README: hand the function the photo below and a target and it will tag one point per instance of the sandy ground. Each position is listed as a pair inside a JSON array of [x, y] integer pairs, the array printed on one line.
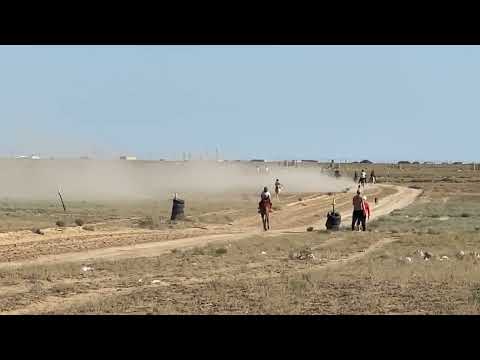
[[74, 245], [56, 246]]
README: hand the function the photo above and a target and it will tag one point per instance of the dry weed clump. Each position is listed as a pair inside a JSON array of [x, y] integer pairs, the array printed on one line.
[[38, 231]]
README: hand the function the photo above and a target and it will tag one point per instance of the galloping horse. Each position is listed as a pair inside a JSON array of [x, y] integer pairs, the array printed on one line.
[[265, 207]]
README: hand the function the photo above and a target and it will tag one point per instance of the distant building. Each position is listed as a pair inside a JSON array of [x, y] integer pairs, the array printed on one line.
[[310, 161], [125, 157], [258, 160], [403, 162], [35, 157], [366, 162]]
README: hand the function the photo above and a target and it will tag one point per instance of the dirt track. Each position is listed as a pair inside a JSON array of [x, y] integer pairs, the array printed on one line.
[[290, 219], [56, 247]]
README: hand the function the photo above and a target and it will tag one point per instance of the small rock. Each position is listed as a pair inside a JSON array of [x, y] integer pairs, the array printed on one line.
[[444, 257], [156, 281], [264, 253], [86, 268], [310, 228]]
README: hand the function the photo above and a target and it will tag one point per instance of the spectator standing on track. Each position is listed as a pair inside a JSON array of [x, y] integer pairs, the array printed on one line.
[[358, 211]]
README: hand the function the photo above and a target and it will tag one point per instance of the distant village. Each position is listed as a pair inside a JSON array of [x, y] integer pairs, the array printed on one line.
[[263, 161]]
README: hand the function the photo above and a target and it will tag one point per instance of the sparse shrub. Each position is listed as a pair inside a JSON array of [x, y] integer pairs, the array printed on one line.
[[297, 285], [38, 231], [147, 222], [220, 251], [174, 251], [310, 228], [431, 231], [300, 199], [79, 222], [197, 251], [465, 215], [60, 223], [435, 216], [88, 228], [394, 231]]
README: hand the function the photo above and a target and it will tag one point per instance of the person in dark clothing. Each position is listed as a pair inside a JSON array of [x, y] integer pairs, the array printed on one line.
[[358, 211]]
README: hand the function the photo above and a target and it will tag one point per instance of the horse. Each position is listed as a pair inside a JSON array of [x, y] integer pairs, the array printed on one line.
[[264, 208], [278, 189], [362, 182]]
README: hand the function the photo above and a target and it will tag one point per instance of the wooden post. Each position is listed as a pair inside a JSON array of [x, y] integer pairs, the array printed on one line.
[[61, 199], [333, 204]]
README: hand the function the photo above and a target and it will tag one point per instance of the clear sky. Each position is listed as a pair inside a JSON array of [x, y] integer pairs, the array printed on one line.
[[274, 102]]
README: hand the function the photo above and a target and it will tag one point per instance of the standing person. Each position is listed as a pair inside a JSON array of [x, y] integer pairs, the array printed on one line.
[[373, 178], [366, 212], [358, 211], [363, 178], [355, 176], [278, 188]]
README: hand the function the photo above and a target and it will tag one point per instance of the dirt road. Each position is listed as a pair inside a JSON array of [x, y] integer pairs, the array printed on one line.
[[293, 217]]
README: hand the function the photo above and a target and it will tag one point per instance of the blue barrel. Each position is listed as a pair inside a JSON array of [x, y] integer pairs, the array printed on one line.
[[334, 220], [178, 209]]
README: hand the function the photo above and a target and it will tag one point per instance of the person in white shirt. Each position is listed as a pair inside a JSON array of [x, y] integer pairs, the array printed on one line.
[[278, 188], [265, 194], [363, 178]]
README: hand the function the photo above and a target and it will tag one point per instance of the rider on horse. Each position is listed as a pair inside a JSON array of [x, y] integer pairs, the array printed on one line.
[[278, 188], [265, 207], [266, 199]]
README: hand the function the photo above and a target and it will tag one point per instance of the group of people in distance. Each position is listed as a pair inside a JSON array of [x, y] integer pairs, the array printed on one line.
[[361, 208], [362, 180]]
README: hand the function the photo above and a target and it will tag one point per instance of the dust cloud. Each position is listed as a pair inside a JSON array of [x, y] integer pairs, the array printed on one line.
[[120, 180]]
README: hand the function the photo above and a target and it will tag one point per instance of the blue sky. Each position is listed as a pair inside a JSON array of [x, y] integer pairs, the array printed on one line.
[[274, 102]]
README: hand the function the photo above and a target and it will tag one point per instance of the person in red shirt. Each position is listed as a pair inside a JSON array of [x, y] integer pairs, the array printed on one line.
[[366, 209], [365, 214]]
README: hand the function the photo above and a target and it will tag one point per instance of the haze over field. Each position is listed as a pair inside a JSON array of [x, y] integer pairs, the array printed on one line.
[[88, 179]]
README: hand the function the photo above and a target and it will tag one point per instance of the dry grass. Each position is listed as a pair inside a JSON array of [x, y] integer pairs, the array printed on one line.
[[259, 275]]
